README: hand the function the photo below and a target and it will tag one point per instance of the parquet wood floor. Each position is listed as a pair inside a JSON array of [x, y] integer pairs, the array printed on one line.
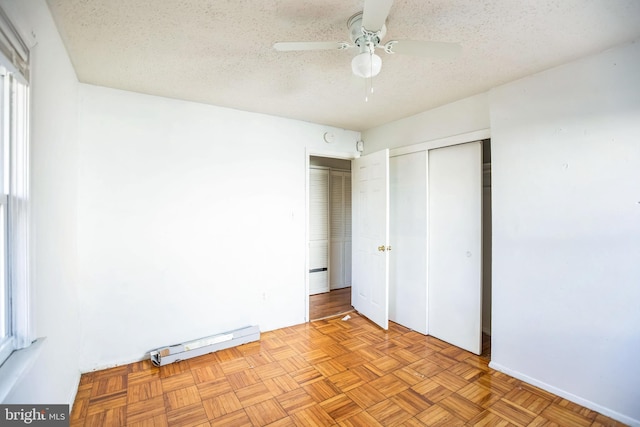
[[324, 373], [330, 304]]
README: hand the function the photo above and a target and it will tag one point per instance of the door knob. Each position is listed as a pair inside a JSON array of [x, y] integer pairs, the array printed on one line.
[[381, 248]]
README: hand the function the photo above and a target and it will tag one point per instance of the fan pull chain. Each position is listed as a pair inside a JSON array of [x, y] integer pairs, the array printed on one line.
[[370, 88]]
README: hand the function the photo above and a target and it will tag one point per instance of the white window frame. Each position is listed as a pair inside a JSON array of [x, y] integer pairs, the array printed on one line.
[[7, 344], [14, 192]]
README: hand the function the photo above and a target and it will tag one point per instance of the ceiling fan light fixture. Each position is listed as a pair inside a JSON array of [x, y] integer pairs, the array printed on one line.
[[366, 65]]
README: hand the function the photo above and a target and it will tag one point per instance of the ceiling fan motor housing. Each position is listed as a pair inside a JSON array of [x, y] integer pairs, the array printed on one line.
[[360, 36]]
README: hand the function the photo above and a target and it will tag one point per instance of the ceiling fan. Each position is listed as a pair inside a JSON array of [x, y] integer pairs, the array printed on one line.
[[366, 30]]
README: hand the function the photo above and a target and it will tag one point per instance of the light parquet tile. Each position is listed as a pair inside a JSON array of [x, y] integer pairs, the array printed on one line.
[[177, 381], [389, 385], [322, 390], [340, 407], [330, 367], [188, 416], [313, 416], [144, 410], [530, 401], [388, 413], [207, 373], [346, 380], [270, 370], [182, 397], [115, 417], [366, 396], [431, 390], [214, 388], [512, 412], [449, 381], [295, 401], [365, 373], [411, 402], [361, 419], [488, 419], [436, 416], [106, 402], [461, 407], [144, 391], [221, 405], [109, 385], [265, 412], [479, 394], [281, 384], [566, 416], [234, 419], [253, 394], [325, 373], [154, 421], [243, 379]]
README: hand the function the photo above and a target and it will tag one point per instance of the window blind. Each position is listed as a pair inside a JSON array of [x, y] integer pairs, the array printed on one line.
[[13, 47]]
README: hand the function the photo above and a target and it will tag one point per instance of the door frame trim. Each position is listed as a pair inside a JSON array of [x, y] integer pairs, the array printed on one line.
[[343, 155], [462, 138]]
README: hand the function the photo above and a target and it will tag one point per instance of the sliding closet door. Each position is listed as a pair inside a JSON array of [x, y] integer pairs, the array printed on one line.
[[408, 234], [455, 245]]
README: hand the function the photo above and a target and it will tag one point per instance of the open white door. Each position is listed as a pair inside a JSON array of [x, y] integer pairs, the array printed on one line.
[[370, 238], [455, 245]]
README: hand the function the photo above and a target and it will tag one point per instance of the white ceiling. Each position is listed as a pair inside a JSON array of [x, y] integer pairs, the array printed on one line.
[[220, 51]]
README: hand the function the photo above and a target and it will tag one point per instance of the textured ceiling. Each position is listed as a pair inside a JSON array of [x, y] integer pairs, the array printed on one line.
[[220, 51]]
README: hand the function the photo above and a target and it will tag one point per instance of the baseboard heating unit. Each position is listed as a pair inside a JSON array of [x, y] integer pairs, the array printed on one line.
[[175, 353]]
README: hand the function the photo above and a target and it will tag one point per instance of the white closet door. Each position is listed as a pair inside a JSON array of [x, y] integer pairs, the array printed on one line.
[[318, 204], [337, 205], [455, 245], [318, 231], [408, 232], [318, 261], [336, 194], [340, 230]]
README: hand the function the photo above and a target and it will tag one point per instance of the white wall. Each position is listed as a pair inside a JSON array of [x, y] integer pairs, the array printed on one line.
[[460, 117], [54, 378], [566, 230], [191, 221]]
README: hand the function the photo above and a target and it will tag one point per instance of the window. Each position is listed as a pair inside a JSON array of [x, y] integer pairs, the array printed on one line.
[[15, 324]]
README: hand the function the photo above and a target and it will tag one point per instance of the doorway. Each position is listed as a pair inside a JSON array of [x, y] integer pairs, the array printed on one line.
[[486, 248], [329, 237]]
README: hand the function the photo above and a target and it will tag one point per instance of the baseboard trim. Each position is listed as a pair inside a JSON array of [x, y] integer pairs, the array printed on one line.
[[569, 396], [74, 392]]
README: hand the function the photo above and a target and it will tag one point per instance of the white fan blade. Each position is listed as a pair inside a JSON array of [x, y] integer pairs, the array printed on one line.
[[423, 48], [375, 13], [293, 46]]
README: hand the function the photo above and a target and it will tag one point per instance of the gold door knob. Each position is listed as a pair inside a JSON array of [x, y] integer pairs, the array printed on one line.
[[381, 248]]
